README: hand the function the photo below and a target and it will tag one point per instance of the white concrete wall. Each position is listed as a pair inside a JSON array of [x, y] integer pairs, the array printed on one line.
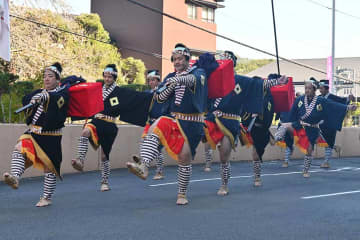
[[126, 144]]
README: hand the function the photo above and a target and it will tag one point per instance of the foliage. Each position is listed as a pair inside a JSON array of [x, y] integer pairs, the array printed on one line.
[[138, 87], [133, 71], [245, 66], [35, 47]]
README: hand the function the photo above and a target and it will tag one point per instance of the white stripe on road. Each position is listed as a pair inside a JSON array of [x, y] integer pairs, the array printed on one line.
[[330, 195], [267, 174]]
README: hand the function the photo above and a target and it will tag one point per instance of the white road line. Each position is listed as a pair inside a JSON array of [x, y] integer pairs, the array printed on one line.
[[267, 174], [330, 194]]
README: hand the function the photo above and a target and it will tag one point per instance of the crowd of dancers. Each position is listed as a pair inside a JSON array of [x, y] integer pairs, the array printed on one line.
[[179, 115]]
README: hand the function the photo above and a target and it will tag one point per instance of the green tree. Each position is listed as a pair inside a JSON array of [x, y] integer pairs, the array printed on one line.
[[133, 71], [6, 80]]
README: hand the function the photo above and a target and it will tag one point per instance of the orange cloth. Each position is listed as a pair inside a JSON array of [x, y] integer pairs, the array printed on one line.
[[246, 139], [170, 134], [94, 138], [146, 130], [213, 133]]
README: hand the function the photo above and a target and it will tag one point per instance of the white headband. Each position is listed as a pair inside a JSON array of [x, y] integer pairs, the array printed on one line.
[[153, 74], [312, 83], [182, 51], [111, 71], [53, 69], [324, 84]]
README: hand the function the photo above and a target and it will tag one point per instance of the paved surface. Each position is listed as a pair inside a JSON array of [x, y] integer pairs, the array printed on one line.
[[136, 209]]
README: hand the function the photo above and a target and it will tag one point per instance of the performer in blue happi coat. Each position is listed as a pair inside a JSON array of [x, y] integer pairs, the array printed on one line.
[[153, 79], [101, 131], [40, 145], [185, 96], [288, 142], [222, 121], [307, 113], [258, 135], [329, 134]]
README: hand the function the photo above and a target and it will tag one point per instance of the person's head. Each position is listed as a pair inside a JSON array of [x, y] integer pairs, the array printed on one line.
[[324, 87], [311, 86], [110, 74], [180, 57], [230, 55], [52, 76], [153, 78]]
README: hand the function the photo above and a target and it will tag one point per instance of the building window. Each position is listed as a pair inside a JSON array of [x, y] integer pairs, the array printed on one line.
[[208, 14], [191, 11]]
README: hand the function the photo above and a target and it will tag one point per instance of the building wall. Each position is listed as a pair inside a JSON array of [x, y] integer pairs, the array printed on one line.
[[126, 144], [133, 27], [176, 32]]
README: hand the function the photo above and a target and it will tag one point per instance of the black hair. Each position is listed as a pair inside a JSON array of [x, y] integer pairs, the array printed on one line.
[[186, 49], [113, 66], [325, 81], [59, 68], [315, 82], [232, 55]]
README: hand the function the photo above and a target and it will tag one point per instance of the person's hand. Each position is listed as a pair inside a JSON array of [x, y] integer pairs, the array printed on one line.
[[170, 81], [39, 98]]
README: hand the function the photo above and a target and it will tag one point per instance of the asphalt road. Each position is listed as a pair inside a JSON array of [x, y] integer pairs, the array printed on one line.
[[287, 206]]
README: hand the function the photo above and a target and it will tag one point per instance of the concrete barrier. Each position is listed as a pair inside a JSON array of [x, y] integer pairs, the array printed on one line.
[[127, 141]]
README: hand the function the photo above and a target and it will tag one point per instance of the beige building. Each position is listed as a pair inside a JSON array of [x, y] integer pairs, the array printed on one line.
[[346, 67]]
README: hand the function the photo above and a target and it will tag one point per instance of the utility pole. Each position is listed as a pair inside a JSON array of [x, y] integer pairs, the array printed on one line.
[[333, 90]]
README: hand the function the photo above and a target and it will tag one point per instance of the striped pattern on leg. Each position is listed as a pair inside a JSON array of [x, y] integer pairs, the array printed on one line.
[[328, 154], [149, 149], [105, 171], [288, 153], [257, 168], [225, 169], [159, 163], [82, 148], [49, 185], [184, 173], [17, 164], [307, 163], [208, 156], [280, 133]]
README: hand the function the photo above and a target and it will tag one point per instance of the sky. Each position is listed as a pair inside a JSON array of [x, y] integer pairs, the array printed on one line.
[[303, 27]]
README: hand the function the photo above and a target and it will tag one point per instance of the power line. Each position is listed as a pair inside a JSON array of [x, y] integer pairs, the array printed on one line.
[[233, 40], [336, 10], [87, 37]]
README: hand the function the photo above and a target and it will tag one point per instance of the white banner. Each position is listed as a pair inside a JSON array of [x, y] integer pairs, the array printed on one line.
[[4, 30]]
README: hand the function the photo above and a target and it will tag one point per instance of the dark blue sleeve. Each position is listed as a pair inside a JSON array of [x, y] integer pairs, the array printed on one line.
[[338, 99], [26, 99], [251, 92], [334, 114]]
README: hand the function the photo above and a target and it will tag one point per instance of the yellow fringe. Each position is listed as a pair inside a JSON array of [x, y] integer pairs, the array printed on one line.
[[226, 132], [40, 154]]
